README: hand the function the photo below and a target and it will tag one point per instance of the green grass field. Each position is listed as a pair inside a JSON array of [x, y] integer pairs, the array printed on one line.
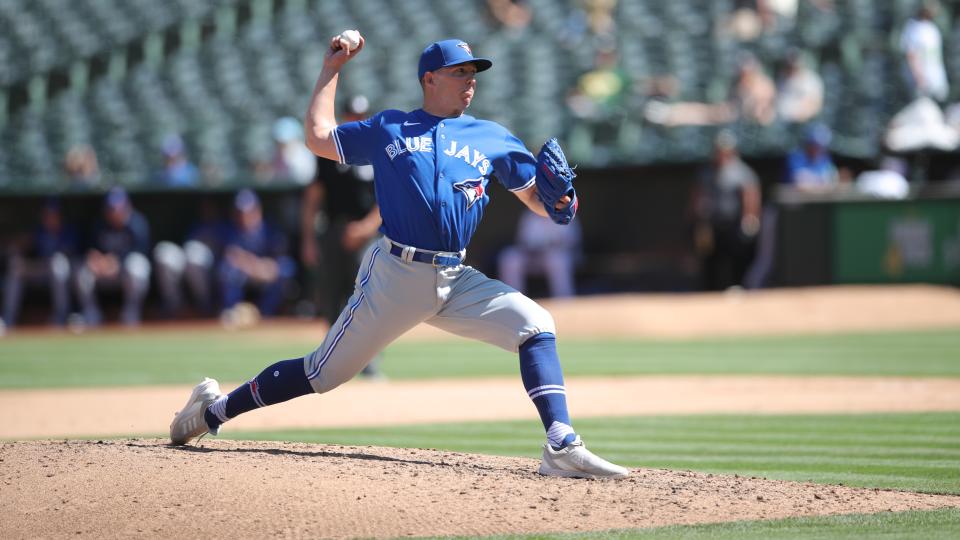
[[935, 525], [106, 359], [917, 452]]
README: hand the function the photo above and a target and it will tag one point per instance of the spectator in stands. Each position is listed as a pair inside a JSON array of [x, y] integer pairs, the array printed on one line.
[[589, 19], [778, 15], [178, 170], [810, 167], [799, 91], [81, 168], [919, 126], [725, 206], [887, 180], [922, 46], [600, 18], [545, 248], [292, 161], [511, 14], [255, 256], [192, 263], [45, 258], [597, 105], [922, 124], [689, 113], [751, 98], [117, 258], [744, 22], [749, 20], [599, 92], [339, 218], [754, 93]]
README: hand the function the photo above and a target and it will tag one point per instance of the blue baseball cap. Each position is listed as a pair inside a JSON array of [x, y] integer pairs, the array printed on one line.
[[245, 200], [450, 52], [819, 135], [116, 198], [172, 145]]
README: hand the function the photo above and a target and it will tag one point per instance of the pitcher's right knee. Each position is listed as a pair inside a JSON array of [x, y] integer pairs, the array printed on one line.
[[328, 372]]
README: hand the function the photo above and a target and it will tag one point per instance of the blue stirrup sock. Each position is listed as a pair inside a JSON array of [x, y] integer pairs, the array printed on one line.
[[543, 379], [280, 382]]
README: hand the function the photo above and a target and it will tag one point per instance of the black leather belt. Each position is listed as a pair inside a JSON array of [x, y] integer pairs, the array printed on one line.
[[428, 257]]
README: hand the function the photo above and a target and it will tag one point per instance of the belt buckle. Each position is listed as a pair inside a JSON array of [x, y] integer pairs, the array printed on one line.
[[436, 256]]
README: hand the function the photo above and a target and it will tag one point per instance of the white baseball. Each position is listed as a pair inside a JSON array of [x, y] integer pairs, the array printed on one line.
[[351, 38]]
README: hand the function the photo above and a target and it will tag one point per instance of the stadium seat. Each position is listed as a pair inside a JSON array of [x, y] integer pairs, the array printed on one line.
[[111, 20], [67, 124], [31, 155], [6, 177], [9, 70]]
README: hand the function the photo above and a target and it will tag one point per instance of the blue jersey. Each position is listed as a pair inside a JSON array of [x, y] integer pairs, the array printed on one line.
[[262, 240], [132, 237], [431, 173]]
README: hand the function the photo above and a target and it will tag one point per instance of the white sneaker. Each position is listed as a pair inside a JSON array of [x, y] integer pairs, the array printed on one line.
[[575, 461], [189, 422]]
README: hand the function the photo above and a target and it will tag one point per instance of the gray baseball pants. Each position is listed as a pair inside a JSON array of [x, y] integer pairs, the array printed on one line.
[[393, 295]]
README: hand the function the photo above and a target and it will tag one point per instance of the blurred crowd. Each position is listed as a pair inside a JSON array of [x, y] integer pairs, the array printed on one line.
[[290, 163], [766, 80], [775, 93]]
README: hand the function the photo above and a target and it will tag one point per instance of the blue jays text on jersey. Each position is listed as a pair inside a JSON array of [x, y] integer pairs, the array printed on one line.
[[431, 173]]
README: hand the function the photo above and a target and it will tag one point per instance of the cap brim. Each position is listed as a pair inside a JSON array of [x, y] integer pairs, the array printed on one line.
[[482, 64]]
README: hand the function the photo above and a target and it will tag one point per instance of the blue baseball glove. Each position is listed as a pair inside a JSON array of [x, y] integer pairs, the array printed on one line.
[[554, 180]]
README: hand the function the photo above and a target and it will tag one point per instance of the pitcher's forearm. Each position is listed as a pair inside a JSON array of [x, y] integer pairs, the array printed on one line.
[[321, 119]]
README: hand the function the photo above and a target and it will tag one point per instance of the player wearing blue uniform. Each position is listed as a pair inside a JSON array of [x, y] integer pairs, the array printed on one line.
[[432, 167]]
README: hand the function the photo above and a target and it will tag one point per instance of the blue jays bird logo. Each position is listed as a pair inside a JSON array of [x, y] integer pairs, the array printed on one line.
[[472, 188], [465, 47]]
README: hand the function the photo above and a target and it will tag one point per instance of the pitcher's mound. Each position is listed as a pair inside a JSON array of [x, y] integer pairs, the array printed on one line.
[[266, 489]]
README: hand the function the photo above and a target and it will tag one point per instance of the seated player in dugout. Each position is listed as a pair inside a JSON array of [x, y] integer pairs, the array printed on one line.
[[254, 257], [116, 259], [432, 166]]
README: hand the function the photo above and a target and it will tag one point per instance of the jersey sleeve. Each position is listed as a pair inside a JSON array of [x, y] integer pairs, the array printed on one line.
[[355, 141], [516, 168]]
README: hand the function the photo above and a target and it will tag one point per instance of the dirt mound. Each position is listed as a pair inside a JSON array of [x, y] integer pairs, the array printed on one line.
[[267, 489]]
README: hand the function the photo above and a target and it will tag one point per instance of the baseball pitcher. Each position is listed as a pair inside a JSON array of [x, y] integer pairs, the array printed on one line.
[[432, 167]]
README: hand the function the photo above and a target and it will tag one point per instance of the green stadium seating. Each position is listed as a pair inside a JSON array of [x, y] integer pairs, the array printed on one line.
[[219, 72]]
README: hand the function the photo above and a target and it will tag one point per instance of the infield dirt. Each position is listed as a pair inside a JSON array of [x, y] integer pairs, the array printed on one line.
[[228, 489], [145, 488]]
